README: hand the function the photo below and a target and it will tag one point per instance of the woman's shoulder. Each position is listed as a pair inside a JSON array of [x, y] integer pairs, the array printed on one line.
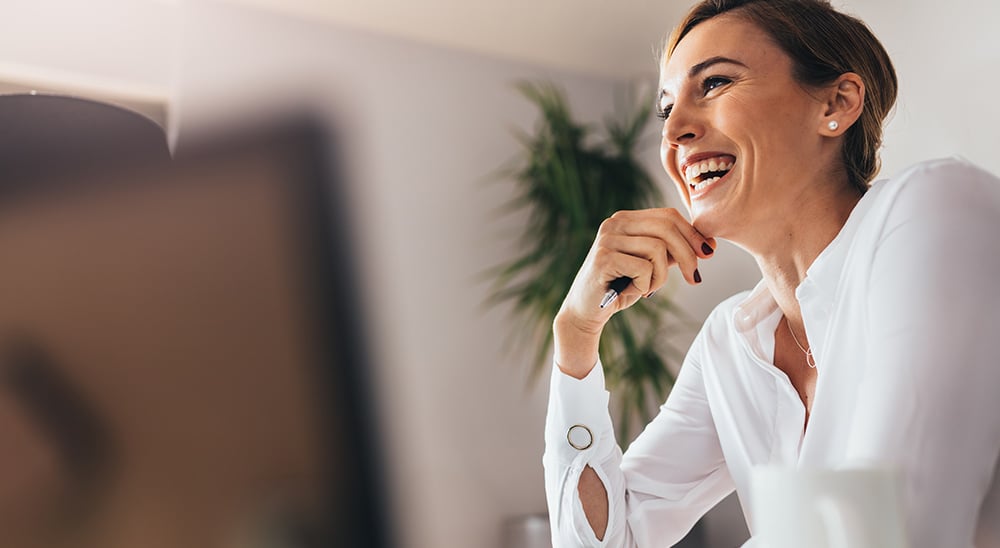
[[943, 167], [936, 187], [933, 176]]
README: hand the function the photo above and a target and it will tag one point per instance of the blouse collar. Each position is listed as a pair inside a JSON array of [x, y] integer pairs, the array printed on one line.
[[818, 289]]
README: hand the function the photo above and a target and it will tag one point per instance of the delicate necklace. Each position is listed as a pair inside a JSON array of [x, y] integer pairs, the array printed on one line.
[[810, 360]]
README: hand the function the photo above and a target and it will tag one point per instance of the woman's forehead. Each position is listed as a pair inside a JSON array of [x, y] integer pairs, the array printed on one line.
[[727, 36]]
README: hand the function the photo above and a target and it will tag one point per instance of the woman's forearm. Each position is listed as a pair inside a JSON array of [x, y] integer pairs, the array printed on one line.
[[575, 355], [575, 349], [594, 497]]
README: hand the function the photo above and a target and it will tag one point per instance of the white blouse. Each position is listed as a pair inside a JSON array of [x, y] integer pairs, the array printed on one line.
[[902, 311]]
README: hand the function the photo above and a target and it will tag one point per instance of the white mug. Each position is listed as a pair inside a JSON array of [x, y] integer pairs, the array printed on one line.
[[848, 508]]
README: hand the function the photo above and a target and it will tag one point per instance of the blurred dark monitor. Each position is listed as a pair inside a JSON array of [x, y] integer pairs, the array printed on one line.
[[181, 352]]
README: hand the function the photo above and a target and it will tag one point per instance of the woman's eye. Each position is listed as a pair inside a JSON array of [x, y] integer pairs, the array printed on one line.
[[713, 82], [664, 113]]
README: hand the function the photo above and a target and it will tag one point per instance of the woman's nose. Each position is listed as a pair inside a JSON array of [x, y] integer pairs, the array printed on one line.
[[682, 126]]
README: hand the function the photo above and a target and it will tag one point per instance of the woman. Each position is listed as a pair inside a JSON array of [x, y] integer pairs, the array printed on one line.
[[869, 340]]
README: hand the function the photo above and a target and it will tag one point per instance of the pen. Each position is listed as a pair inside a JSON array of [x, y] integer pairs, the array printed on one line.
[[614, 288]]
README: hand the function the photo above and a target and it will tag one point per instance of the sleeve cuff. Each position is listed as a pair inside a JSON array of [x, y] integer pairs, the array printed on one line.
[[578, 421]]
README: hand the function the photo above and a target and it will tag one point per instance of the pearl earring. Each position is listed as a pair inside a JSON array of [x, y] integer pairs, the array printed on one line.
[[833, 125]]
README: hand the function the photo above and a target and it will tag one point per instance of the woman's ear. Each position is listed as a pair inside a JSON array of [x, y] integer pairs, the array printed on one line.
[[845, 101]]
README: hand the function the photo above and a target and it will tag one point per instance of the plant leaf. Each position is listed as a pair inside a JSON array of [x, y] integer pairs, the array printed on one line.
[[568, 183]]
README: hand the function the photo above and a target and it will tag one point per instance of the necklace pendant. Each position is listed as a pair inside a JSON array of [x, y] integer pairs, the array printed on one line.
[[810, 360]]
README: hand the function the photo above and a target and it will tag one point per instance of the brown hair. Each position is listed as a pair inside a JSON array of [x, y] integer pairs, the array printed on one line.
[[823, 44]]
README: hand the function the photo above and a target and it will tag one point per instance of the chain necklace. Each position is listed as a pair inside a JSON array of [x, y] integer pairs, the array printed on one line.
[[810, 360]]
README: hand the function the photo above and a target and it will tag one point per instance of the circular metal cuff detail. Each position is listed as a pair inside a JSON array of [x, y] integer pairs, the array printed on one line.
[[579, 437]]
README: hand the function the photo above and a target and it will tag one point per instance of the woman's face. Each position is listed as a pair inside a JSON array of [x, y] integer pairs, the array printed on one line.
[[742, 138]]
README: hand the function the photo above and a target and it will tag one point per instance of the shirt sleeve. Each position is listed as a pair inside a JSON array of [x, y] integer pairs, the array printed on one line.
[[671, 475], [929, 401]]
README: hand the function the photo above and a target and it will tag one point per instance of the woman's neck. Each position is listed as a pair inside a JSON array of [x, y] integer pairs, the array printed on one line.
[[785, 249]]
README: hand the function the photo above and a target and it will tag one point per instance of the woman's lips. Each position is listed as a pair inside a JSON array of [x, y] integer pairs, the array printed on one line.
[[706, 170], [700, 189]]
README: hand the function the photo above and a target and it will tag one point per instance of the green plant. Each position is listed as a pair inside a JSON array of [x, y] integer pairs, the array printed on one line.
[[570, 181]]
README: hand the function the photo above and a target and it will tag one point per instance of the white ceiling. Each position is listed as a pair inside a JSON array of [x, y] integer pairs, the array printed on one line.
[[601, 37]]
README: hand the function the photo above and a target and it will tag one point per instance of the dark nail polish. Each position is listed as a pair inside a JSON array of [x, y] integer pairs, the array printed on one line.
[[707, 249], [651, 293], [697, 276]]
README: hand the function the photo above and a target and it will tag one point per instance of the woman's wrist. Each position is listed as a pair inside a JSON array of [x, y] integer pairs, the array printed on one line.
[[575, 346]]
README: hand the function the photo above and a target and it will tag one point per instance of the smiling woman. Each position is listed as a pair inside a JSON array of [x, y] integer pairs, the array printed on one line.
[[848, 353]]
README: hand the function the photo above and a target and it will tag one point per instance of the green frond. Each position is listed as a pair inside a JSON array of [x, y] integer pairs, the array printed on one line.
[[567, 182]]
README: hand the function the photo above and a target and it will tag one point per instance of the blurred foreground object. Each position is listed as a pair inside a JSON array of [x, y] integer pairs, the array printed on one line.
[[42, 134], [188, 368]]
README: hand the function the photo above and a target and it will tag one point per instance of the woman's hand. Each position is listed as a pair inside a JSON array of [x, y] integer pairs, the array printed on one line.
[[641, 245]]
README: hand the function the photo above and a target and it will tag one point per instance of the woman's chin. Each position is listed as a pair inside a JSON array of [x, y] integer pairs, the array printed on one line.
[[709, 223]]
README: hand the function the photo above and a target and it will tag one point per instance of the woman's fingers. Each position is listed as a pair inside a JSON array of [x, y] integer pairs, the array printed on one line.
[[683, 254], [619, 264], [646, 248], [656, 233], [655, 222], [639, 245]]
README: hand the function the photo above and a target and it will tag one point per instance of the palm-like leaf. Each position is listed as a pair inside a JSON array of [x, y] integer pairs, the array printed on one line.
[[570, 184]]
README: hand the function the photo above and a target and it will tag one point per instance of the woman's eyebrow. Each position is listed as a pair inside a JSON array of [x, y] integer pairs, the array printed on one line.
[[704, 65]]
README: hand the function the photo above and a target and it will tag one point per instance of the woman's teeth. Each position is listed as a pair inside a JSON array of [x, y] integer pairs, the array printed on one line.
[[705, 183], [702, 174]]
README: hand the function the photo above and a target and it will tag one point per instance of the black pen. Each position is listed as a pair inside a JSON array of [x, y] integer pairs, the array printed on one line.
[[614, 289]]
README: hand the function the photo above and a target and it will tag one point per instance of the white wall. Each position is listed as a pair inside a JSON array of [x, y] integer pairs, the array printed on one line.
[[121, 51], [946, 55], [128, 43]]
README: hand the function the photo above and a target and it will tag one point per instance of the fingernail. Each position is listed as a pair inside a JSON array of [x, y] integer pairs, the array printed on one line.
[[707, 249], [697, 276]]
